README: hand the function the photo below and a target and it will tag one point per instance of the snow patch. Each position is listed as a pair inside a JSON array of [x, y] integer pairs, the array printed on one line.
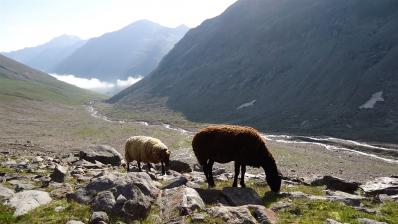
[[248, 104], [376, 97]]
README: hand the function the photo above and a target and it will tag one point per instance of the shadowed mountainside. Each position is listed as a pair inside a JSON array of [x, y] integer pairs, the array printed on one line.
[[307, 67]]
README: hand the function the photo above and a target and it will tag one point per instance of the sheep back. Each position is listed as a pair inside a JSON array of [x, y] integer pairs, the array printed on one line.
[[225, 143], [144, 149]]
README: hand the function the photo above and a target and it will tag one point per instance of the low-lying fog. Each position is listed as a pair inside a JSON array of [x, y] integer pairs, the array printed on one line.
[[108, 88]]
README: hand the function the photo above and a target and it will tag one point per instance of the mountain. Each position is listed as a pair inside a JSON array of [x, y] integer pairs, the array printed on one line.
[[306, 67], [46, 56], [18, 81], [134, 50]]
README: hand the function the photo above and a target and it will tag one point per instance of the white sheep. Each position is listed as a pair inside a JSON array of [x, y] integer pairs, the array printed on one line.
[[148, 150]]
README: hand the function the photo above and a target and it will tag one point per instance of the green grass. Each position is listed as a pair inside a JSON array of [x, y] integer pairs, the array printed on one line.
[[53, 91], [46, 214], [314, 211]]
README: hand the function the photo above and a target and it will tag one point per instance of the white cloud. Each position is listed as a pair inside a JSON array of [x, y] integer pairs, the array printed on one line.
[[97, 85]]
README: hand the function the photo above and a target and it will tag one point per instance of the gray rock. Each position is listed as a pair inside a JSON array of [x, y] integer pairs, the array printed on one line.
[[198, 217], [381, 185], [370, 221], [59, 208], [134, 193], [364, 209], [102, 153], [88, 165], [280, 205], [179, 201], [103, 201], [243, 214], [38, 159], [331, 221], [5, 193], [180, 166], [241, 196], [74, 222], [334, 183], [60, 190], [98, 217], [176, 182], [25, 201], [24, 186], [348, 199], [59, 173]]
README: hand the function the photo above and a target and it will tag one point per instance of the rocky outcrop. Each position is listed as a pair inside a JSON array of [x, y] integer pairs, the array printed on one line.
[[128, 195], [179, 201], [230, 196], [5, 193], [102, 153]]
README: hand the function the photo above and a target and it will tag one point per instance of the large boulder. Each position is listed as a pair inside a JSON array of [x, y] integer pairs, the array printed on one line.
[[25, 201], [102, 153], [129, 195], [381, 185], [334, 183], [243, 214], [179, 201]]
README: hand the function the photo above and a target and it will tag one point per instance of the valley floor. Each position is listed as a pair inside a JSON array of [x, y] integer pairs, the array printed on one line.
[[56, 128]]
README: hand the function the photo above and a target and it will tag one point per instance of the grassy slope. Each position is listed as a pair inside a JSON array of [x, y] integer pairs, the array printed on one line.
[[11, 89]]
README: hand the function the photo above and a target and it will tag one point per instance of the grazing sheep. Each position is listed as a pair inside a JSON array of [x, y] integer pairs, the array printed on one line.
[[243, 145], [148, 150]]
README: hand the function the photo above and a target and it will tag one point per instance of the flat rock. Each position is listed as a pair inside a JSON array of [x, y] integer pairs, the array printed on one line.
[[348, 199], [176, 182], [334, 183], [24, 186], [331, 221], [102, 153], [5, 193], [180, 166], [74, 222], [179, 201], [370, 221], [25, 201], [241, 196], [381, 185], [243, 214]]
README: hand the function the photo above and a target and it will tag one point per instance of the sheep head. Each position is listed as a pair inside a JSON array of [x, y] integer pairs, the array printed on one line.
[[165, 157], [274, 180]]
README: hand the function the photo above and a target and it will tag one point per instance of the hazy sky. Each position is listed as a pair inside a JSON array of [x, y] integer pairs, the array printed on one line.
[[26, 23]]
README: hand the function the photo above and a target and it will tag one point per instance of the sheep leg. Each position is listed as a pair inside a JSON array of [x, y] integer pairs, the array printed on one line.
[[210, 173], [163, 172], [139, 166], [237, 166], [149, 166], [242, 178]]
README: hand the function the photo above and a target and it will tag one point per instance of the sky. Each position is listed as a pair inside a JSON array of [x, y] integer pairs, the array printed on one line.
[[27, 23]]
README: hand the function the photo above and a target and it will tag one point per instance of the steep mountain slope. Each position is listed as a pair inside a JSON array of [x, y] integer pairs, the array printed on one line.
[[133, 50], [46, 56], [18, 81], [289, 66]]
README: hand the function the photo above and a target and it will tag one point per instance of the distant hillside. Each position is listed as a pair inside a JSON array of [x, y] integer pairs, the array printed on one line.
[[309, 66], [133, 50], [46, 56], [18, 81]]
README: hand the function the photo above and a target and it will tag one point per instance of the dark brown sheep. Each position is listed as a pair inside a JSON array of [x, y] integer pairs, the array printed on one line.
[[243, 145]]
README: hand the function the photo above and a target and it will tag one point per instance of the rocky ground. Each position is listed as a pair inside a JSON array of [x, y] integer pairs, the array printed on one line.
[[92, 186]]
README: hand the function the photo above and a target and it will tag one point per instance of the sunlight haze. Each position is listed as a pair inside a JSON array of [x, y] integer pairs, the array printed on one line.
[[33, 22]]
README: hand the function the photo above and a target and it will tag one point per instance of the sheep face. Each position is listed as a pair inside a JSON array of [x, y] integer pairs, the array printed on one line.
[[274, 181], [165, 157]]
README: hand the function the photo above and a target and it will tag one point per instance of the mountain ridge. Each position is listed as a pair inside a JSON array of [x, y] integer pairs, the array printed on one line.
[[308, 65]]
